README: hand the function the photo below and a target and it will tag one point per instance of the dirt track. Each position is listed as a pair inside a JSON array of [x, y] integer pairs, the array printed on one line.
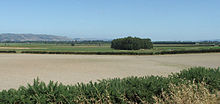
[[20, 69]]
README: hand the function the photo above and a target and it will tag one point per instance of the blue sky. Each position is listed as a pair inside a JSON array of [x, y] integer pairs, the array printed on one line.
[[109, 19]]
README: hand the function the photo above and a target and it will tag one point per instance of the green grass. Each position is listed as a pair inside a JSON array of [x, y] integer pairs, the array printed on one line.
[[94, 48]]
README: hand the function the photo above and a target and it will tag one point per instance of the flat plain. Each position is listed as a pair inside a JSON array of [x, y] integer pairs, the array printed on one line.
[[19, 47], [18, 69]]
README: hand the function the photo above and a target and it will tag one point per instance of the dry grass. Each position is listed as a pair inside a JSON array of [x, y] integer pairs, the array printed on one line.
[[187, 94]]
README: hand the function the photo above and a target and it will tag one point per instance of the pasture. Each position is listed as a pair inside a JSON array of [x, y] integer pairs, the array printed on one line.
[[95, 48]]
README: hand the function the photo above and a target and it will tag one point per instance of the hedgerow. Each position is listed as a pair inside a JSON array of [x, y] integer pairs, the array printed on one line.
[[129, 53], [93, 53], [7, 51], [126, 90]]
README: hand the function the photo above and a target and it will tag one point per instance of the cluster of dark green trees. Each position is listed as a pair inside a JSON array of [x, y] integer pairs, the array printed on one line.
[[131, 43]]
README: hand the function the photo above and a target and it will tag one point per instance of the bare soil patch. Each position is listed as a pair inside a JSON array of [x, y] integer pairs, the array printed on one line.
[[20, 69]]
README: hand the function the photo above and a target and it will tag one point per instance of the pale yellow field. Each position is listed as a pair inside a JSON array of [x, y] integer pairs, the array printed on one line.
[[20, 69]]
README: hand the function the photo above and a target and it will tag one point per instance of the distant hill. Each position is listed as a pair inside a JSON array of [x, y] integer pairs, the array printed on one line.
[[213, 40], [92, 39], [32, 37], [217, 40]]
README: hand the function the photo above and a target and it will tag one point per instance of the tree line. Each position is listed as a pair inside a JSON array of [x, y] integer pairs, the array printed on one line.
[[174, 42]]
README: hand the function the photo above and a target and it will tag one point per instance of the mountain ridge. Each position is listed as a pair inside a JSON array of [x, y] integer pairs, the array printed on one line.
[[32, 37]]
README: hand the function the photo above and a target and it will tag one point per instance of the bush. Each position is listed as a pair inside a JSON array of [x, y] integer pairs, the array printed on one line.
[[191, 93], [126, 90], [209, 76], [131, 43]]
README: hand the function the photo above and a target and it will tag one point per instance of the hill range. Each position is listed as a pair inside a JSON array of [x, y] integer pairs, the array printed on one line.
[[32, 37]]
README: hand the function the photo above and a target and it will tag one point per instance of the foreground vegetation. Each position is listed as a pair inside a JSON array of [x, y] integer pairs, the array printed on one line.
[[195, 93], [201, 84]]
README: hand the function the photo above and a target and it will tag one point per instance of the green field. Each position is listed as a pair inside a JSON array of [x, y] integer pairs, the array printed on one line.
[[19, 47]]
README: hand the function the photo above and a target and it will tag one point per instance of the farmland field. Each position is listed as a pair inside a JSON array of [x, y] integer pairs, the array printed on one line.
[[19, 69], [86, 48]]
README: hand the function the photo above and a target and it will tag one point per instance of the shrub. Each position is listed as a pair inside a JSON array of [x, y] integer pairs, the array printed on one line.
[[191, 93], [209, 76]]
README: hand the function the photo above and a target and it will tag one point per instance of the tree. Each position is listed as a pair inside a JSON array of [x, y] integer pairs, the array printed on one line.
[[72, 43]]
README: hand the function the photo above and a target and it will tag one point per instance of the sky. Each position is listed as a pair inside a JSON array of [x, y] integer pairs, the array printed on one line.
[[178, 20]]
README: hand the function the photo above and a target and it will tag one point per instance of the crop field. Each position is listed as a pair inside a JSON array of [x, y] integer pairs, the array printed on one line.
[[87, 48], [20, 69]]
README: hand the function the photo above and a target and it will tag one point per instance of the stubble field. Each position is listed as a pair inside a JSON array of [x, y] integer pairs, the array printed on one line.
[[19, 69]]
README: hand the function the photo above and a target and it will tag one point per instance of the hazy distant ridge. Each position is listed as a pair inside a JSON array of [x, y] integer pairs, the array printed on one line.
[[32, 37]]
